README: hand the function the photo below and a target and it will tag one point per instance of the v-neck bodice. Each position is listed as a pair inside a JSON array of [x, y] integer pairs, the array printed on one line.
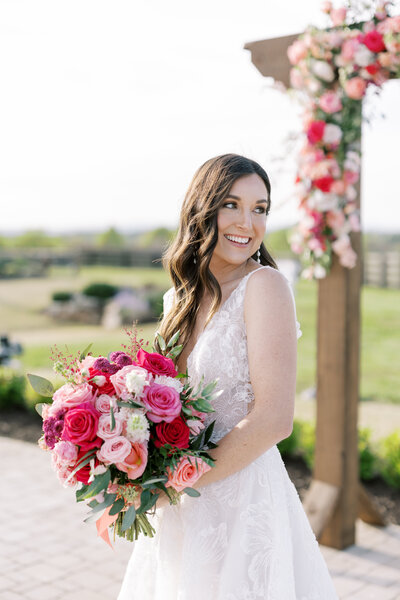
[[220, 352]]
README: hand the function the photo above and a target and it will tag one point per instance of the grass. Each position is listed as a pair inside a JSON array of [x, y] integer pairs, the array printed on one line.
[[22, 302]]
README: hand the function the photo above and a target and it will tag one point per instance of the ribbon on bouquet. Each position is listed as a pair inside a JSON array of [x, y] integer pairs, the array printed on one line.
[[103, 524]]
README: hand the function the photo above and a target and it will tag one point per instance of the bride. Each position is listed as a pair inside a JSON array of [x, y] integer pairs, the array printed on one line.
[[247, 536]]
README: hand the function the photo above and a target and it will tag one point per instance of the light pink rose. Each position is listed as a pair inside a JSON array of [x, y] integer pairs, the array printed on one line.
[[338, 187], [296, 78], [119, 380], [162, 403], [297, 51], [351, 177], [195, 426], [338, 16], [332, 134], [104, 427], [355, 88], [102, 403], [354, 222], [335, 219], [323, 70], [66, 452], [63, 472], [87, 362], [135, 463], [114, 450], [330, 102], [186, 474], [348, 258], [69, 396]]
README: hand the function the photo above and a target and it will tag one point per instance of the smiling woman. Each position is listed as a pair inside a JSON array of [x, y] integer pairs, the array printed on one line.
[[247, 535]]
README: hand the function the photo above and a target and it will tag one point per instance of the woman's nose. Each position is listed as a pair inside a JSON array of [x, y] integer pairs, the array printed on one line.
[[244, 220]]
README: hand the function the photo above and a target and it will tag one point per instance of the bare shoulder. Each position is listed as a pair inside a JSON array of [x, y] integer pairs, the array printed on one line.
[[267, 285]]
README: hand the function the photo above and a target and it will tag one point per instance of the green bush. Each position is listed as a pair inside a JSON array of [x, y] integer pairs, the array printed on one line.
[[61, 296], [367, 454], [155, 300], [290, 445], [102, 291], [12, 389], [390, 459], [307, 443]]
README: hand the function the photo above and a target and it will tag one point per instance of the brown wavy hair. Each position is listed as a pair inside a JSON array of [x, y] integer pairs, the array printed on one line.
[[197, 237]]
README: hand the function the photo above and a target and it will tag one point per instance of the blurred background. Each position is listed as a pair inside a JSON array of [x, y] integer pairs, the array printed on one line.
[[106, 115]]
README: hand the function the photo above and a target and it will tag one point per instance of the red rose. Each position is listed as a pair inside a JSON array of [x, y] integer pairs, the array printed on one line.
[[156, 363], [373, 69], [80, 426], [175, 433], [323, 183], [316, 131], [374, 41], [107, 387], [84, 473]]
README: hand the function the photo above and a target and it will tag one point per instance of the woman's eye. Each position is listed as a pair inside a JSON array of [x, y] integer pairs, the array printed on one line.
[[229, 204]]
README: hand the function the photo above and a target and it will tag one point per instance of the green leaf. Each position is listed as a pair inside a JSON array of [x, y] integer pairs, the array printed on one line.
[[112, 426], [209, 388], [92, 517], [191, 492], [130, 404], [39, 407], [155, 480], [208, 433], [129, 517], [202, 405], [82, 463], [80, 493], [108, 500], [117, 507], [84, 353], [175, 351], [99, 483], [42, 386], [174, 339], [161, 342]]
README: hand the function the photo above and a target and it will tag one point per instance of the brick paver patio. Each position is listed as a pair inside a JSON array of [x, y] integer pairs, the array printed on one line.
[[47, 553]]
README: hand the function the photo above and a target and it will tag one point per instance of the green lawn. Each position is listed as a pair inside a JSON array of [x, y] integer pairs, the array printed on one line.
[[21, 303]]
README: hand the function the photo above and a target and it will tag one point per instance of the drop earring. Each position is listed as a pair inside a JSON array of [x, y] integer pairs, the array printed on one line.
[[258, 256]]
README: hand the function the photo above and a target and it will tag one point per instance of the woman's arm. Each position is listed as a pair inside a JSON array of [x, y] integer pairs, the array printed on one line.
[[270, 319]]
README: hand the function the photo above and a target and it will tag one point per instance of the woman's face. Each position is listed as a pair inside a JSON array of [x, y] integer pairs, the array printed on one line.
[[242, 220]]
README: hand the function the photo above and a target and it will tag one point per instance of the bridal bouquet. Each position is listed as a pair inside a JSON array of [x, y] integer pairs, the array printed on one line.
[[124, 428]]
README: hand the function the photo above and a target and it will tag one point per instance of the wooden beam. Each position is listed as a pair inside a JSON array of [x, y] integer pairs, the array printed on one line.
[[270, 57]]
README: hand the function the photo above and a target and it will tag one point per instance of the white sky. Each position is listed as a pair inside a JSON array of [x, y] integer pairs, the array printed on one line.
[[108, 108]]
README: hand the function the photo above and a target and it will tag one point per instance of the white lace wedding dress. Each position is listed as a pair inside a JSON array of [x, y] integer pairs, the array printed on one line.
[[247, 536]]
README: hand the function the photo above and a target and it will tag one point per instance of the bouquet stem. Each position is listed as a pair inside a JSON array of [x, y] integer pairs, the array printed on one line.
[[140, 524]]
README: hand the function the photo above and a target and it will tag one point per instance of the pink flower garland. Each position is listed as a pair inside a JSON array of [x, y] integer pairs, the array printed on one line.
[[333, 69]]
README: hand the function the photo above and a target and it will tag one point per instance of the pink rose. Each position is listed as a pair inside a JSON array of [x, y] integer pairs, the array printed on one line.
[[338, 16], [69, 396], [374, 41], [355, 88], [66, 452], [135, 463], [338, 187], [156, 363], [162, 403], [335, 219], [315, 131], [330, 102], [80, 426], [87, 362], [186, 474], [102, 403], [104, 428], [297, 51], [130, 381], [114, 450]]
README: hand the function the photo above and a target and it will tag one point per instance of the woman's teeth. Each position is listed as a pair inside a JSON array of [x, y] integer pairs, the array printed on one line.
[[238, 240]]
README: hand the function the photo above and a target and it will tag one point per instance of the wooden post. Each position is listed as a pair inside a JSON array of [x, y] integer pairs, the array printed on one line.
[[335, 497]]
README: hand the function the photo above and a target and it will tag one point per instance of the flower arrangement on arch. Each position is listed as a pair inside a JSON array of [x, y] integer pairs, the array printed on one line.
[[123, 429], [331, 72]]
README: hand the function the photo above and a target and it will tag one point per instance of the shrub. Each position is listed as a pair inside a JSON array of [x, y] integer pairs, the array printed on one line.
[[155, 300], [307, 443], [390, 457], [102, 291], [61, 296], [290, 445], [367, 454], [12, 389]]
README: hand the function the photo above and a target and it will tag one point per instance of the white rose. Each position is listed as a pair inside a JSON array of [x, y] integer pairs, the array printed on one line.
[[332, 134], [363, 57], [323, 70], [136, 425], [322, 201]]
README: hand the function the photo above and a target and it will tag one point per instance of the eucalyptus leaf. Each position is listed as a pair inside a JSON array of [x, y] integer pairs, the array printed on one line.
[[108, 500], [175, 351], [117, 507], [130, 404], [39, 407], [129, 517], [191, 492], [174, 339], [99, 483], [112, 425], [85, 351], [93, 516], [155, 480], [161, 342], [42, 386]]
